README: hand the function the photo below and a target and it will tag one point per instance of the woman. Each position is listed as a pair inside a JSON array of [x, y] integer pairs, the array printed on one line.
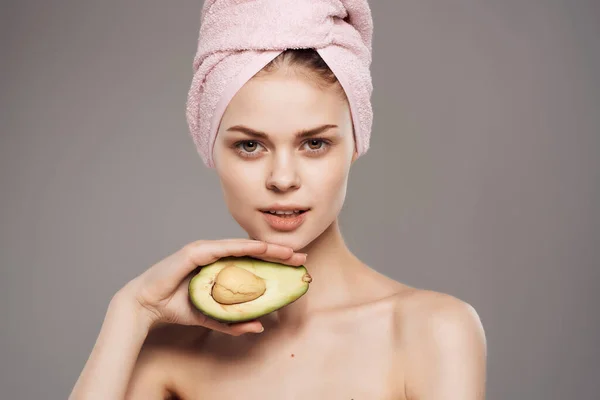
[[286, 140]]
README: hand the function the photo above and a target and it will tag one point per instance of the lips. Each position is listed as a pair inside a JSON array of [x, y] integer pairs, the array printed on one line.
[[285, 218]]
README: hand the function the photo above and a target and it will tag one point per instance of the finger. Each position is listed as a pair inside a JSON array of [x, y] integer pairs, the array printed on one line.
[[274, 253], [296, 260], [203, 254], [281, 254], [235, 329], [278, 252]]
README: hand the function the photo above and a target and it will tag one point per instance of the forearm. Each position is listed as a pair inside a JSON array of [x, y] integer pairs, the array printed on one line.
[[109, 367]]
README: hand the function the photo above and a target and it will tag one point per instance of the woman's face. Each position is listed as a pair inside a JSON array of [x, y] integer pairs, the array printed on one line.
[[285, 145]]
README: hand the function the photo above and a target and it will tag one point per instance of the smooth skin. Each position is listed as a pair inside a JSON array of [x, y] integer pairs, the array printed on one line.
[[356, 334]]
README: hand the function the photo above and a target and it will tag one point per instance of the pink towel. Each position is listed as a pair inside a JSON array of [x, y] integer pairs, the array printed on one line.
[[239, 37]]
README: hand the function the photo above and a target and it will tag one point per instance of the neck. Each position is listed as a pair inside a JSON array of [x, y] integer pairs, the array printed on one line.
[[331, 265]]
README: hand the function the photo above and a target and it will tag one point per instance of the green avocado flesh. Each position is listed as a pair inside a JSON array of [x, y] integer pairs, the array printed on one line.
[[284, 285]]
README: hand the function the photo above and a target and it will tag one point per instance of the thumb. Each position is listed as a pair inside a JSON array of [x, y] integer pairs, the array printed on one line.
[[233, 329]]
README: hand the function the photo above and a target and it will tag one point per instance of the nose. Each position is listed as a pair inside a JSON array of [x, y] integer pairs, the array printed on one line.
[[283, 175]]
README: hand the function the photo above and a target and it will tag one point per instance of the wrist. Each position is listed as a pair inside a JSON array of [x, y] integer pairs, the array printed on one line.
[[124, 308]]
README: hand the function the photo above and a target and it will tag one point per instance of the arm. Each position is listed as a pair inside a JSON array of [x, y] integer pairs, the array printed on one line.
[[447, 358], [113, 361]]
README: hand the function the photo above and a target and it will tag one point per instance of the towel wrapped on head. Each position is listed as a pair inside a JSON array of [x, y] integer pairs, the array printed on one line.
[[239, 37]]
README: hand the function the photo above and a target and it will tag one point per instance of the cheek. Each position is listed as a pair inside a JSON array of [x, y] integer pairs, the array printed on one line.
[[241, 185], [330, 187]]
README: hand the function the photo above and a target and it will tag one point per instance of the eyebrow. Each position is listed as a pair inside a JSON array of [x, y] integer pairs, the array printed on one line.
[[305, 133]]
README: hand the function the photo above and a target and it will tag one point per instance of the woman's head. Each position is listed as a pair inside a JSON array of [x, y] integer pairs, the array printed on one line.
[[286, 139]]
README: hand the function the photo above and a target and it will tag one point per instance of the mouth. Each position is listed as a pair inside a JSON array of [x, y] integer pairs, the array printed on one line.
[[285, 218], [285, 210], [285, 214]]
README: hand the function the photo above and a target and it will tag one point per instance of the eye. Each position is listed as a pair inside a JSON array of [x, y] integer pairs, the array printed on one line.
[[315, 144], [249, 146]]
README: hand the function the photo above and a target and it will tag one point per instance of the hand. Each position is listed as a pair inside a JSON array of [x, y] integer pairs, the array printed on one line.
[[161, 292]]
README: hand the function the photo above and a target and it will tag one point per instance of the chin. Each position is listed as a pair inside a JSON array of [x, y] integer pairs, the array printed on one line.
[[295, 240]]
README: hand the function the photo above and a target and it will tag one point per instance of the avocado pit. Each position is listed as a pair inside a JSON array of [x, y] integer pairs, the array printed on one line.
[[235, 285]]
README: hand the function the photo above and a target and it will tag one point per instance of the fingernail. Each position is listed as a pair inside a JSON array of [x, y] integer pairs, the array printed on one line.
[[262, 329]]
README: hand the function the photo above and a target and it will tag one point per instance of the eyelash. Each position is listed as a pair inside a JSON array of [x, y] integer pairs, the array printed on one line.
[[239, 149]]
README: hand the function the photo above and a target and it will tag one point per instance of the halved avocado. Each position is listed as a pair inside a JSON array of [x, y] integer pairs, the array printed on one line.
[[238, 289]]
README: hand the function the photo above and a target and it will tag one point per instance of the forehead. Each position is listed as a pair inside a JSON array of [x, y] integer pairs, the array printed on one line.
[[285, 101]]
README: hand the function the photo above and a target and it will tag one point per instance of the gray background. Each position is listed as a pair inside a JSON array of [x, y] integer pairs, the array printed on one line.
[[483, 179]]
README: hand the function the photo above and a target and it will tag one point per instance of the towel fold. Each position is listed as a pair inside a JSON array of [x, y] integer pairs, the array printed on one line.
[[238, 38]]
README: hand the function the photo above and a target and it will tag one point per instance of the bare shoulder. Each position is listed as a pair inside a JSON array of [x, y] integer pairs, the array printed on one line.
[[422, 309], [425, 315], [443, 346]]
